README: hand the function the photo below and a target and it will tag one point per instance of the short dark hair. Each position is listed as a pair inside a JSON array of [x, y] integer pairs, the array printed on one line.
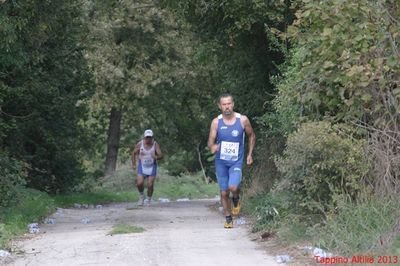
[[225, 95]]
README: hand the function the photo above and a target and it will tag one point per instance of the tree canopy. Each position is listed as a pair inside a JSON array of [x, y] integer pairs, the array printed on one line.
[[43, 76]]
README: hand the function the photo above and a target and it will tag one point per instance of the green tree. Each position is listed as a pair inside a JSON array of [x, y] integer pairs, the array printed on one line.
[[43, 76], [134, 47], [348, 68], [350, 72], [237, 51], [238, 37]]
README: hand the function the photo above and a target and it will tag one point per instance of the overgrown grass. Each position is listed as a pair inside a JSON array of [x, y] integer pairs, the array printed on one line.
[[266, 209], [368, 226], [395, 248], [99, 197], [272, 213], [172, 187], [186, 186], [121, 187], [126, 229], [32, 207]]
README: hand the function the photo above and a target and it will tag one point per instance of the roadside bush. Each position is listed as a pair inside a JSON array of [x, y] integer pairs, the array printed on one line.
[[12, 175], [267, 210], [368, 225], [180, 162], [320, 162], [32, 206], [263, 173]]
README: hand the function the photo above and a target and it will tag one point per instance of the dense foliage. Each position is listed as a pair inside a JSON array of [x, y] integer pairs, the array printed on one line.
[[346, 72], [237, 36], [339, 89], [319, 164], [81, 80], [12, 176], [43, 75], [348, 67]]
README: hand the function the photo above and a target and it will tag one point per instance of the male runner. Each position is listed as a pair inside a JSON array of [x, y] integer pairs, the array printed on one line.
[[226, 141], [148, 152]]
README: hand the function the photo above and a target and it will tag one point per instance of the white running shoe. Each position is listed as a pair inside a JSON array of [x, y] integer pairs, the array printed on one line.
[[147, 201], [141, 200]]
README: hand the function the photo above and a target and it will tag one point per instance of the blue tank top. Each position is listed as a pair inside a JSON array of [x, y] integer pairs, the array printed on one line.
[[231, 140]]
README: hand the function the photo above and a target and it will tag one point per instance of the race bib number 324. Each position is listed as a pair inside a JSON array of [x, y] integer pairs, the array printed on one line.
[[229, 151]]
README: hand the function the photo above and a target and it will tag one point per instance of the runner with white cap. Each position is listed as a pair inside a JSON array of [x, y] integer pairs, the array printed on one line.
[[148, 151]]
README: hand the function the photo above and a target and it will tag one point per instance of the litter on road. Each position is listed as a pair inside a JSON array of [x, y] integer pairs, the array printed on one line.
[[184, 199], [283, 258], [33, 228], [85, 221], [50, 221], [163, 200], [240, 221], [4, 253]]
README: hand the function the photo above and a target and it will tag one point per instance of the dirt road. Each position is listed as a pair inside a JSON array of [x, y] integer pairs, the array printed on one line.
[[176, 233]]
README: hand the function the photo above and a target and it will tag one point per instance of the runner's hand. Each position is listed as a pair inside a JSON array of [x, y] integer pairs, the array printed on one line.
[[214, 148], [249, 160]]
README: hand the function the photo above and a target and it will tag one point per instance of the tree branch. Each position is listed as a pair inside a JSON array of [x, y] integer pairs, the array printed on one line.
[[14, 116]]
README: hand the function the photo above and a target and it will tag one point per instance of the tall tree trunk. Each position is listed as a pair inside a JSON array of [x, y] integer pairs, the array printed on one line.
[[113, 136]]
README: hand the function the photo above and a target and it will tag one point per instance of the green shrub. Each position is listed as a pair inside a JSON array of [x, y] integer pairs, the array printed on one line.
[[319, 162], [180, 162], [267, 210], [262, 175], [12, 175], [31, 207]]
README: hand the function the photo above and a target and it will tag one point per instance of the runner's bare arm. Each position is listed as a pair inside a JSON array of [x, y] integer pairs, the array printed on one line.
[[135, 153], [251, 136], [158, 154], [212, 137]]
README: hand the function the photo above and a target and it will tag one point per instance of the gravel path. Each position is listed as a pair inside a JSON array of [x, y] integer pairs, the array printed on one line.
[[176, 233]]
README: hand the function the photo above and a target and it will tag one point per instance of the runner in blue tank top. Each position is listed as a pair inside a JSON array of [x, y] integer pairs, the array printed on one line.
[[226, 141]]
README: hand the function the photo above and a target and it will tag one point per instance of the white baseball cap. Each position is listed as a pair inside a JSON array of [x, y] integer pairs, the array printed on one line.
[[148, 133]]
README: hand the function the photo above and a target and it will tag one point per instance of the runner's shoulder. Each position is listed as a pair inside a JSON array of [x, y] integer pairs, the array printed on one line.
[[244, 120], [242, 117], [215, 121]]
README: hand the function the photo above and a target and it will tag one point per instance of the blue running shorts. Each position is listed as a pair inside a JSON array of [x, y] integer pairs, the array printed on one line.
[[228, 174], [140, 170]]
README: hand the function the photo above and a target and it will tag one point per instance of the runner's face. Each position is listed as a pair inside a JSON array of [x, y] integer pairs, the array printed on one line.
[[148, 140], [226, 105]]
